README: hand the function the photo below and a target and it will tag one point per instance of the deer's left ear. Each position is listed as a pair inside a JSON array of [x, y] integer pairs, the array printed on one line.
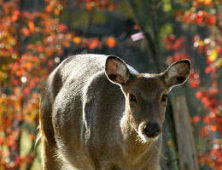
[[116, 70], [177, 73]]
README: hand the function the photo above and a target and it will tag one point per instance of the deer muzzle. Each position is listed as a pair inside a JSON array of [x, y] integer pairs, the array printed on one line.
[[151, 130]]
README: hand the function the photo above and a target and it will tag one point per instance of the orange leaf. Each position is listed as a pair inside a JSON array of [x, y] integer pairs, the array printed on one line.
[[57, 12], [15, 15], [136, 27], [31, 136], [213, 128], [77, 40], [93, 43], [28, 66], [48, 9], [39, 48], [111, 42], [25, 31], [207, 2], [89, 6], [31, 26]]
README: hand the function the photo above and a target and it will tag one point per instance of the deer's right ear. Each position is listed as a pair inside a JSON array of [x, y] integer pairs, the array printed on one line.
[[116, 70], [177, 73]]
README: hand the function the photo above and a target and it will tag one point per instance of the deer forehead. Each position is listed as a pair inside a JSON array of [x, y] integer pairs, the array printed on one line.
[[149, 85]]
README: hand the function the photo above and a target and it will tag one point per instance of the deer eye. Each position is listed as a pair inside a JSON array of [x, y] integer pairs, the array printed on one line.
[[132, 97], [164, 98]]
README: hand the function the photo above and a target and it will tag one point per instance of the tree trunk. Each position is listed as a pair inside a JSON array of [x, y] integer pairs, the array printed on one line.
[[185, 140]]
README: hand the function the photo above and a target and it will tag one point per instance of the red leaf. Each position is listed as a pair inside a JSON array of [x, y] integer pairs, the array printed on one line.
[[193, 84], [195, 119], [27, 90], [62, 27], [207, 70], [198, 95], [206, 119], [199, 20], [1, 141], [30, 46], [211, 20]]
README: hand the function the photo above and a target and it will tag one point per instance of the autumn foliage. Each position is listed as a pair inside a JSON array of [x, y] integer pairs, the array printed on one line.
[[202, 14], [29, 43]]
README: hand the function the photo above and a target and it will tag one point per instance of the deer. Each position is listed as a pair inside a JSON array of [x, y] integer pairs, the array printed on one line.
[[98, 113]]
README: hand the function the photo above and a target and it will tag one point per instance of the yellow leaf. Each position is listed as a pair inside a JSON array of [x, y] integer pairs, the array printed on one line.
[[201, 43], [212, 56], [207, 2], [219, 62]]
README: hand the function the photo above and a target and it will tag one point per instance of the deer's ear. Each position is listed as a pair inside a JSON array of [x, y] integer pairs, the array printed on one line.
[[116, 70], [177, 73]]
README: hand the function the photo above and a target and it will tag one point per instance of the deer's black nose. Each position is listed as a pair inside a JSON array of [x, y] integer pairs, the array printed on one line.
[[151, 130]]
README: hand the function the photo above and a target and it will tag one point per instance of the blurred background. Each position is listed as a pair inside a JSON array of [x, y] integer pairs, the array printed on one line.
[[37, 35]]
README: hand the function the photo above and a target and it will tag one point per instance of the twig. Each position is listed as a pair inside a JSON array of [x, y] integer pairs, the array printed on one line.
[[153, 5], [33, 152], [90, 20], [147, 35]]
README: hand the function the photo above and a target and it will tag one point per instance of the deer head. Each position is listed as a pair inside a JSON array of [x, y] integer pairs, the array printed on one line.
[[146, 94]]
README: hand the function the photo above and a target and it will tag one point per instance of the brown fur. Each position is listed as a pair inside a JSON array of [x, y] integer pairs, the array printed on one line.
[[88, 121]]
